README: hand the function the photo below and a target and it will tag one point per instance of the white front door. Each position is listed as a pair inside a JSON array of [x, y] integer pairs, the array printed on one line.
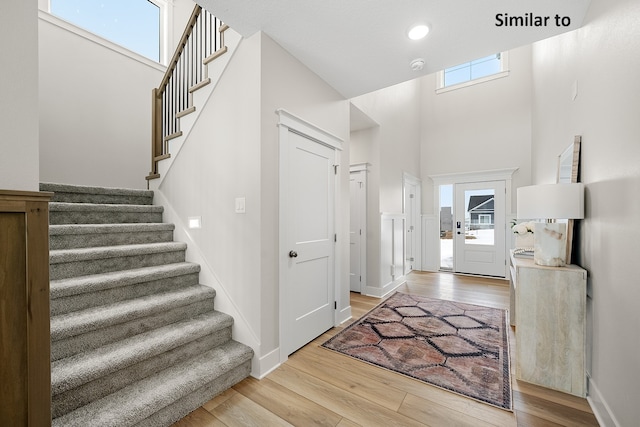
[[308, 254], [479, 228]]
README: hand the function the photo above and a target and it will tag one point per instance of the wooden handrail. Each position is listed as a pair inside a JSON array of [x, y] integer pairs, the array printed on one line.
[[180, 48], [201, 42]]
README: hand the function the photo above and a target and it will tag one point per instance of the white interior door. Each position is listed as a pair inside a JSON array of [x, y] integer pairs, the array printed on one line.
[[479, 228], [357, 230], [309, 183]]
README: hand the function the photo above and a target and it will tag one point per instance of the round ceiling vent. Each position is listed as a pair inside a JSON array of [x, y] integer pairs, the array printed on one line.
[[417, 64]]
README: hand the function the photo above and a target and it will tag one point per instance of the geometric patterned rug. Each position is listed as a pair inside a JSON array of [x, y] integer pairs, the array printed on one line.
[[459, 347]]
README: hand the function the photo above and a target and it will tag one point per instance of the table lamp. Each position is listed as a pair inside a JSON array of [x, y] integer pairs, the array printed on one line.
[[550, 202]]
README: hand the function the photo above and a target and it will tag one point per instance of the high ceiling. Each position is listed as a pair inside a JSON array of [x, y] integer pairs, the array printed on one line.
[[358, 46]]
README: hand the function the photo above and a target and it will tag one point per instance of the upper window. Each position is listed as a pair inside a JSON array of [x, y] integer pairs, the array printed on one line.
[[472, 72], [134, 24]]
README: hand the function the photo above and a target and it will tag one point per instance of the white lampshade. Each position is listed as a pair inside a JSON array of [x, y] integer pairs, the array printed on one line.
[[551, 201]]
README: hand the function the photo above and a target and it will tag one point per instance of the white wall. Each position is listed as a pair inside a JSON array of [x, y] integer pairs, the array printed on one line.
[[482, 127], [95, 105], [286, 83], [19, 99], [397, 110], [392, 148], [365, 148], [603, 58], [219, 161], [95, 112], [232, 152]]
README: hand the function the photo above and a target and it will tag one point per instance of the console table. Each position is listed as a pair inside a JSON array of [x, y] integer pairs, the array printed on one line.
[[548, 309]]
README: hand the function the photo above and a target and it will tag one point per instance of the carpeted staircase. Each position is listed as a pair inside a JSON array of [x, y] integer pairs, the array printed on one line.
[[135, 340]]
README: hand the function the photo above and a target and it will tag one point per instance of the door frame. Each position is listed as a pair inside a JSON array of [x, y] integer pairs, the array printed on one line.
[[362, 170], [417, 239], [505, 175], [288, 123]]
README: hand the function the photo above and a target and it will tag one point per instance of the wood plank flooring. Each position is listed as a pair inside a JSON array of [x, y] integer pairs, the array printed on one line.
[[318, 387]]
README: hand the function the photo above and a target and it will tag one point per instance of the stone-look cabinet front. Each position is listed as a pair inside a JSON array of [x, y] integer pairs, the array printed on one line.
[[548, 308]]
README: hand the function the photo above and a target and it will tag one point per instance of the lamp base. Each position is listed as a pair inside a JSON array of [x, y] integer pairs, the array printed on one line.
[[550, 244]]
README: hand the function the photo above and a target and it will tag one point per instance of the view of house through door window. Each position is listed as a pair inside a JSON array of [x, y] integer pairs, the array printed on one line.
[[446, 227], [479, 214]]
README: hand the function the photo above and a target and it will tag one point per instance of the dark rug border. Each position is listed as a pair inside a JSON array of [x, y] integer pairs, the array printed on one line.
[[506, 369]]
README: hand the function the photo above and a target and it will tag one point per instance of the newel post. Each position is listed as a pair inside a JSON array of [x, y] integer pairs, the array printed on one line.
[[156, 130]]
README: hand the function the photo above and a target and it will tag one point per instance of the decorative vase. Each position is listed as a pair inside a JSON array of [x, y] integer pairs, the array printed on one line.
[[550, 243]]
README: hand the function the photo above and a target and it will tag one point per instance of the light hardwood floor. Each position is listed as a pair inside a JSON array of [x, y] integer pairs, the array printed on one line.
[[317, 387]]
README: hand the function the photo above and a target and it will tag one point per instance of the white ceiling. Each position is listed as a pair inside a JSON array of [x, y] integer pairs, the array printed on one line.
[[358, 46]]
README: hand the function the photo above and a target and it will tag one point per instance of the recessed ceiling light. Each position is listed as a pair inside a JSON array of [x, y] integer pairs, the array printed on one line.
[[418, 32]]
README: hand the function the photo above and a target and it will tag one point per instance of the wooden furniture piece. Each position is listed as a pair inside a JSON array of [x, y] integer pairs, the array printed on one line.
[[548, 308], [25, 367]]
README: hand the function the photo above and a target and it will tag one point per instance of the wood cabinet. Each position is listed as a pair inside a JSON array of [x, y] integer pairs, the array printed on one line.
[[25, 367], [549, 312]]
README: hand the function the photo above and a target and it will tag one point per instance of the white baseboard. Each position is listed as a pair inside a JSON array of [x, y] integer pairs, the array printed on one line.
[[599, 406], [344, 315], [386, 289], [266, 364]]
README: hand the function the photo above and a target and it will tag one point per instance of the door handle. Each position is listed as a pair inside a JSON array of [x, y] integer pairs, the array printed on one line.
[[293, 254]]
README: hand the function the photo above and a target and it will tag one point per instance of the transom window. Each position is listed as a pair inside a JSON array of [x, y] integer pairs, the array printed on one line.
[[134, 24], [477, 71]]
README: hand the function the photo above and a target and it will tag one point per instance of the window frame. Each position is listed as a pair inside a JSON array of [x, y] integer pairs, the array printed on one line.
[[165, 31], [487, 217], [504, 72]]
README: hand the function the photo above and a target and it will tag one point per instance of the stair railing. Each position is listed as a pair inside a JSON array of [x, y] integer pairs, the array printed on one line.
[[201, 42]]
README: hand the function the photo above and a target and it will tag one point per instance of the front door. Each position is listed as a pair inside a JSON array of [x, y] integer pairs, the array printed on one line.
[[308, 218], [479, 228]]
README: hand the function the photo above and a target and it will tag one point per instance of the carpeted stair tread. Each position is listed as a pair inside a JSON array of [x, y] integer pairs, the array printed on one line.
[[70, 236], [83, 254], [135, 403], [79, 322], [105, 207], [98, 282], [79, 293], [93, 194], [81, 368], [65, 263], [62, 229], [93, 390], [93, 213]]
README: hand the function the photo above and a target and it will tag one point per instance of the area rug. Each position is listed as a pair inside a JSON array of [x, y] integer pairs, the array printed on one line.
[[459, 347]]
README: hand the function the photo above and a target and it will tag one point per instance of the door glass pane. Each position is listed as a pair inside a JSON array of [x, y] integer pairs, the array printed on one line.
[[446, 227], [479, 217]]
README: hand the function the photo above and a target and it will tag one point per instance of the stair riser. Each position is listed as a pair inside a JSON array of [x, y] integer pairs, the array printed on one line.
[[121, 293], [180, 408], [93, 339], [69, 400], [66, 270], [102, 217], [76, 241], [59, 196]]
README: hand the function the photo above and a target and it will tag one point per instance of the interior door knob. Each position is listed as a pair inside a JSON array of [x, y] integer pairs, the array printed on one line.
[[293, 254]]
